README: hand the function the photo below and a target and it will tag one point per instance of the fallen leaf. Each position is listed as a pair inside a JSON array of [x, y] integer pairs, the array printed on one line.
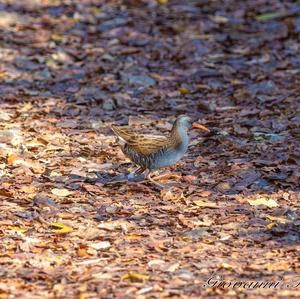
[[173, 267], [279, 266], [277, 219], [61, 228], [28, 189], [162, 1], [34, 144], [205, 204], [18, 229], [227, 266], [5, 193], [135, 276], [270, 203], [183, 90], [36, 166], [223, 187], [12, 158], [100, 245], [173, 195], [156, 263], [61, 192], [206, 221], [82, 252], [132, 237], [271, 225]]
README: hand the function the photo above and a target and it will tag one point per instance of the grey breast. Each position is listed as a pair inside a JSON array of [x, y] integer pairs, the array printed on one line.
[[168, 158], [171, 155]]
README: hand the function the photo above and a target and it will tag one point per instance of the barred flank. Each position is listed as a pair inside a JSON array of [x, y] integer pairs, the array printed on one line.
[[143, 160]]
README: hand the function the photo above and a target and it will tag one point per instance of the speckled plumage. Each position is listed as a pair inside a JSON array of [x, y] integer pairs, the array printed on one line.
[[155, 151]]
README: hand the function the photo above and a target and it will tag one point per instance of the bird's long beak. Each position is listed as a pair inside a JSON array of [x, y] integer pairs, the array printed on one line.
[[198, 126]]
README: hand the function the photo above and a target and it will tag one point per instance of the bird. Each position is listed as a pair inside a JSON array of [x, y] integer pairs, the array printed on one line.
[[152, 152]]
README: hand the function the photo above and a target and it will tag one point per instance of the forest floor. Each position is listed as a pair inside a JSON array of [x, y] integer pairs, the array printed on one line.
[[72, 226]]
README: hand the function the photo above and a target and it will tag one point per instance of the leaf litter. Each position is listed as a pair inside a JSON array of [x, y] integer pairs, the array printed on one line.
[[72, 225]]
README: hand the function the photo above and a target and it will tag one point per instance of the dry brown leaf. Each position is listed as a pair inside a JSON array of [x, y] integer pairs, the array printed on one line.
[[5, 193], [15, 160], [270, 203], [82, 252], [132, 237], [135, 276], [61, 192], [205, 204], [12, 158], [279, 266], [172, 194], [206, 221], [28, 189]]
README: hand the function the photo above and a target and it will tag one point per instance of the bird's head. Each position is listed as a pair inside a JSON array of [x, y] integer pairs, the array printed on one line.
[[185, 122]]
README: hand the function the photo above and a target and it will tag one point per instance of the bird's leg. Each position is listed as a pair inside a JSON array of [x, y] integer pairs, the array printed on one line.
[[154, 182], [136, 172], [140, 170]]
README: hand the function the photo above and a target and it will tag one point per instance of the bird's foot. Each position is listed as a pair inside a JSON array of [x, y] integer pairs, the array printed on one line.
[[133, 177], [136, 175]]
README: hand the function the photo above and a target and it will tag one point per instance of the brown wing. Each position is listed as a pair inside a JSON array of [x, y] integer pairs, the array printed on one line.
[[148, 144], [142, 144]]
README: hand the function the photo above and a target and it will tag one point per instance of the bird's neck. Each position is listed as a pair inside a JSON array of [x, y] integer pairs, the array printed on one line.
[[180, 136]]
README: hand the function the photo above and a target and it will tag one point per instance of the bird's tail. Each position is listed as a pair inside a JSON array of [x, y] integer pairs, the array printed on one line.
[[122, 133]]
